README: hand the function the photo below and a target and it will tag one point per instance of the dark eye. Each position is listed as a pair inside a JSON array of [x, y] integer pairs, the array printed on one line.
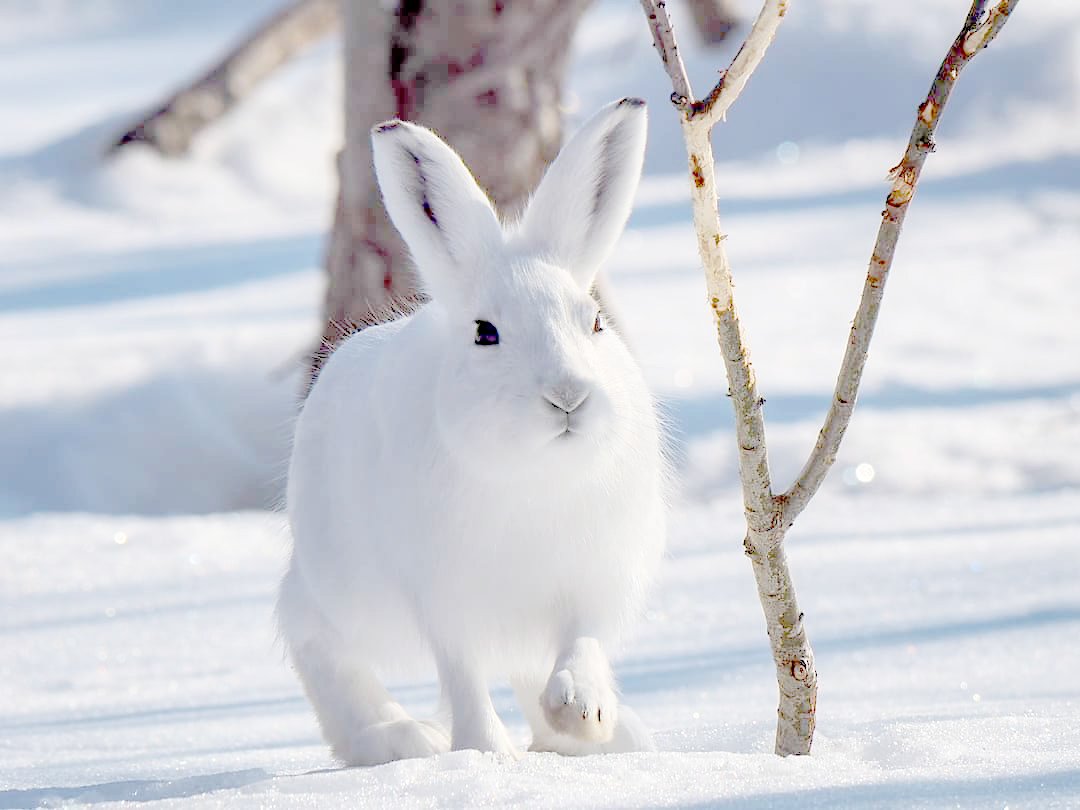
[[598, 324], [486, 334]]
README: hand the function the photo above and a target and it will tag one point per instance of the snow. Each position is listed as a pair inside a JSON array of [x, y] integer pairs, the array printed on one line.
[[153, 319]]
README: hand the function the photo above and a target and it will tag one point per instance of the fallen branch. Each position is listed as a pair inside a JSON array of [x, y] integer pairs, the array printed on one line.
[[769, 516], [172, 126]]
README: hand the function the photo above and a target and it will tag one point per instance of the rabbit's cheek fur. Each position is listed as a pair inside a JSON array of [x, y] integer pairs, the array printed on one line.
[[505, 424], [499, 409], [485, 424]]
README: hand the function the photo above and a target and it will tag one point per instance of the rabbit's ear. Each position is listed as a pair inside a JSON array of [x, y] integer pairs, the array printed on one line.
[[581, 205], [435, 203]]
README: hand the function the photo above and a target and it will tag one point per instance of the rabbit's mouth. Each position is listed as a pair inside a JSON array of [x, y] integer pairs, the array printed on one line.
[[569, 431], [571, 427]]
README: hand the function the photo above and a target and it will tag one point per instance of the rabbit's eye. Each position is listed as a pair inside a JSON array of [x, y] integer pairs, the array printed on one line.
[[598, 324], [486, 334]]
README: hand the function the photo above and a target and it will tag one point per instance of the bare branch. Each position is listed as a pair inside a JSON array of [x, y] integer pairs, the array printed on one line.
[[974, 36], [172, 126], [664, 42], [792, 655], [734, 79], [984, 34], [754, 474], [698, 121]]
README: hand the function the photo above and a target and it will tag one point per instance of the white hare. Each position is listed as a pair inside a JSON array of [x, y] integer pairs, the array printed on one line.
[[482, 481]]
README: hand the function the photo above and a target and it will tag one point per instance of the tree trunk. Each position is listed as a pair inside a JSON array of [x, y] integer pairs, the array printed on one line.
[[796, 675], [171, 128], [486, 76]]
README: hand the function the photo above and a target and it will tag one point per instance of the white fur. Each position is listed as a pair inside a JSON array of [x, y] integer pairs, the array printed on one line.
[[438, 505]]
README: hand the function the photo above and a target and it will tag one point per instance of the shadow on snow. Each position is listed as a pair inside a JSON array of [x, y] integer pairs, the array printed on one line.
[[644, 675], [116, 277], [137, 790], [1036, 787]]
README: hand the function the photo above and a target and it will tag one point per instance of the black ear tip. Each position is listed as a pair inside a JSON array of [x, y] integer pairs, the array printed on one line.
[[386, 126], [635, 103]]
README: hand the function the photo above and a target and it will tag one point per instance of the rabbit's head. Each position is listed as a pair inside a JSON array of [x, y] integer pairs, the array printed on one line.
[[529, 376]]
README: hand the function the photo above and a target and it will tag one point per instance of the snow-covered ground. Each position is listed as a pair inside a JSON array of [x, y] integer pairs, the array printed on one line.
[[152, 318]]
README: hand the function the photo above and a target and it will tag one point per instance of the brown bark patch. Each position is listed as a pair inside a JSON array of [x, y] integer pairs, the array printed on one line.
[[695, 170]]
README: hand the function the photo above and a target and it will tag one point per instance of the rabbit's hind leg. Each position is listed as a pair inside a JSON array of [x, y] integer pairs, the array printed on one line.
[[527, 690], [362, 723], [476, 725]]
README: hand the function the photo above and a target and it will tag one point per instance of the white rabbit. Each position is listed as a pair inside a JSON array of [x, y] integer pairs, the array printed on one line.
[[482, 481]]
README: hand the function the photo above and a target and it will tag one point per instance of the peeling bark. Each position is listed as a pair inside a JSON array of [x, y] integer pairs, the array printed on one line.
[[769, 516], [796, 675]]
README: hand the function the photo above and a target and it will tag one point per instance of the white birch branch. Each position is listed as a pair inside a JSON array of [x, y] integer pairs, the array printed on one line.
[[697, 122], [734, 79], [974, 36], [792, 655], [668, 48], [768, 517]]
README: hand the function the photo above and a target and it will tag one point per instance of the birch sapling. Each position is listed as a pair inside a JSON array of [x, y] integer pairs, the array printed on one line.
[[768, 515]]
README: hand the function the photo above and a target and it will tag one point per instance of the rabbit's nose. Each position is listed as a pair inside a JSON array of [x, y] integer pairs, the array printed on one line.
[[566, 401]]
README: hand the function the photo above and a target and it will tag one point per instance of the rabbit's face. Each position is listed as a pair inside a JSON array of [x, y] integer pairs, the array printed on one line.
[[526, 379], [532, 377]]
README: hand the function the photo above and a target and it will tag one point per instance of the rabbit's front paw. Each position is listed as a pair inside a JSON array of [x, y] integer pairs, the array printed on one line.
[[581, 703]]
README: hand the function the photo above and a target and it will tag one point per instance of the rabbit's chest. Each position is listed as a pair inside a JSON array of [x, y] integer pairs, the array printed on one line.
[[539, 555]]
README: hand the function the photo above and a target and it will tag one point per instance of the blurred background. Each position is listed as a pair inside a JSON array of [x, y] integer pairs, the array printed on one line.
[[160, 303], [155, 309]]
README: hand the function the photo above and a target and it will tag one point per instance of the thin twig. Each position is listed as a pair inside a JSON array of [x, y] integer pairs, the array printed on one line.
[[976, 34], [984, 34], [734, 79], [664, 42], [698, 120]]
